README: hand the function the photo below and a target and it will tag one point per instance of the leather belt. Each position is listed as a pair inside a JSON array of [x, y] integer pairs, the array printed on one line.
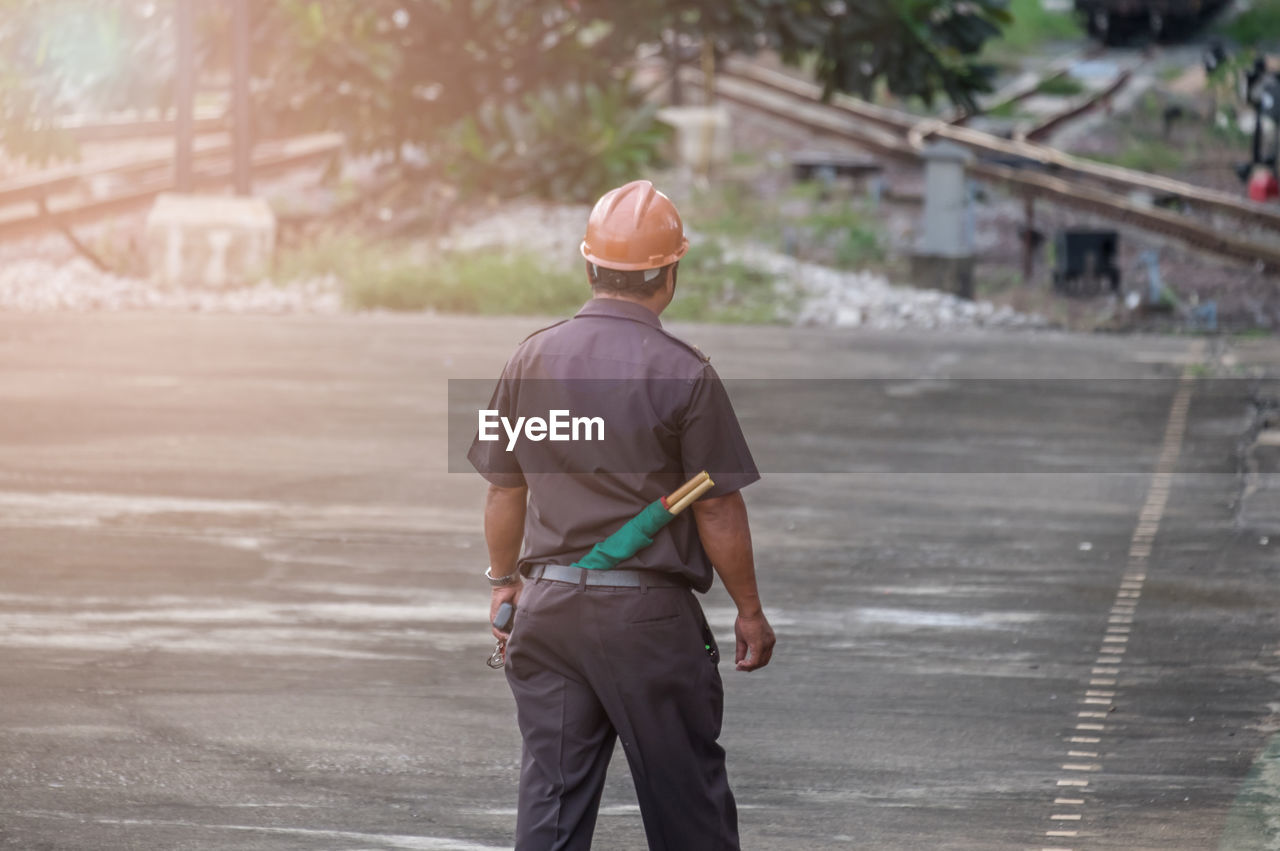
[[614, 578]]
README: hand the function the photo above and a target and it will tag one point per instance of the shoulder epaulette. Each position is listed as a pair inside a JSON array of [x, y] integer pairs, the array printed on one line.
[[698, 353], [540, 330]]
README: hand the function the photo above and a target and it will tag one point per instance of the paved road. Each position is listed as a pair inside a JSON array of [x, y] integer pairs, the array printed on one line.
[[240, 603]]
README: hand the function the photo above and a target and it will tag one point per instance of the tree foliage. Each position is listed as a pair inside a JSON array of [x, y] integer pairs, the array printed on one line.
[[506, 89], [493, 87], [916, 47], [59, 57]]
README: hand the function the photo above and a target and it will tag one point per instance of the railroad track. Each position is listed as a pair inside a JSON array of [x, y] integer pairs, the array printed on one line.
[[1063, 165], [1023, 89], [115, 128], [148, 177], [1062, 179], [1034, 84], [1043, 128], [62, 179]]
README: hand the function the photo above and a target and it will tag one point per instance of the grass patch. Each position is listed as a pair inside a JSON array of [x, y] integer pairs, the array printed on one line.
[[391, 277], [1146, 156], [711, 287], [1257, 26], [1063, 85], [852, 236], [1031, 26], [731, 210], [814, 222], [1008, 109]]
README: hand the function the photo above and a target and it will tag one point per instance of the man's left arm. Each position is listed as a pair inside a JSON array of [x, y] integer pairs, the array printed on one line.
[[503, 533]]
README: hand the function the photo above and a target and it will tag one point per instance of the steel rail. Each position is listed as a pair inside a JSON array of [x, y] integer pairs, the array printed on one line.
[[111, 129], [270, 158], [1042, 129], [1021, 91], [42, 184], [824, 118], [1114, 177]]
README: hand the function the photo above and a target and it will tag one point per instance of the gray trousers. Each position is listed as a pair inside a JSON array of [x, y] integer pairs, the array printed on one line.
[[592, 665]]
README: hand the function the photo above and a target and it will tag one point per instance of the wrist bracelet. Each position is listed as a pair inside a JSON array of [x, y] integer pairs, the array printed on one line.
[[500, 581]]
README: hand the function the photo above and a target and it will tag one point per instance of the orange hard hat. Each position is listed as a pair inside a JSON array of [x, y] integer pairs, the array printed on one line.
[[634, 227]]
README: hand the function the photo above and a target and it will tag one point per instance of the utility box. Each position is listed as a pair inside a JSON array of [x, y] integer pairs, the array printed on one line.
[[209, 241], [943, 256], [702, 135], [1085, 261]]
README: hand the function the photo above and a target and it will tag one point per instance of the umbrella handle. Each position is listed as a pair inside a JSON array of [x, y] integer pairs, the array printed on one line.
[[680, 492], [689, 498]]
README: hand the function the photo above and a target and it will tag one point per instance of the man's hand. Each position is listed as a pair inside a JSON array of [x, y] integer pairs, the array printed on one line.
[[755, 641], [726, 536], [503, 529], [505, 594]]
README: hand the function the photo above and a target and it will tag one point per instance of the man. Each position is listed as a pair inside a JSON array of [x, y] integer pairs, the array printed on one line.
[[600, 655]]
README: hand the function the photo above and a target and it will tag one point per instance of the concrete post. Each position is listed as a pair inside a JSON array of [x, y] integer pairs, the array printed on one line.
[[701, 136], [943, 257], [209, 241]]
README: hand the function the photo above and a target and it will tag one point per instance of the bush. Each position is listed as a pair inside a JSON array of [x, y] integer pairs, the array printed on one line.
[[1257, 26], [570, 143], [853, 238], [1032, 25]]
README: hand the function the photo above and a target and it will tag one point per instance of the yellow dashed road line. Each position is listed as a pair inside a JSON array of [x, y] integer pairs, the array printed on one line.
[[1111, 650]]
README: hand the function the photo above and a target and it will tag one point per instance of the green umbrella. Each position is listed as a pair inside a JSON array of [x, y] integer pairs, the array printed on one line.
[[637, 533]]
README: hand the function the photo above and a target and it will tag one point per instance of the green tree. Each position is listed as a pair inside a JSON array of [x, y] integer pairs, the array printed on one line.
[[59, 57], [502, 95], [916, 47], [532, 95]]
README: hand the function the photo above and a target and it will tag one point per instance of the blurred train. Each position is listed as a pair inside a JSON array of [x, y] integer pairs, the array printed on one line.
[[1115, 21]]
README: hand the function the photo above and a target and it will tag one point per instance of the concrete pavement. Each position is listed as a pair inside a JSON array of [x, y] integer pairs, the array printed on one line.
[[241, 604]]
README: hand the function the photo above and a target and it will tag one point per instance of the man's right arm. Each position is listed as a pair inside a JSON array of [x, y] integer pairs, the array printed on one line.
[[726, 536], [504, 510]]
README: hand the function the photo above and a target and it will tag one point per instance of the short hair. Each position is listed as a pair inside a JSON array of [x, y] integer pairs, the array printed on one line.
[[639, 283]]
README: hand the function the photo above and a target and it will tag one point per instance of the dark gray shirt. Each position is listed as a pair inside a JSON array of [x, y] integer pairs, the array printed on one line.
[[665, 417]]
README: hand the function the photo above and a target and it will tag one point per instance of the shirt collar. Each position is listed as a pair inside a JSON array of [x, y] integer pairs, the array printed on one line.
[[620, 308]]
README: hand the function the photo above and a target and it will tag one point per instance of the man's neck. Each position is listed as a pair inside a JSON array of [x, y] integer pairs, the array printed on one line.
[[654, 304]]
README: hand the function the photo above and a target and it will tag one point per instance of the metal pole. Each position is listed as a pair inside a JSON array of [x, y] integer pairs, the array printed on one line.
[[243, 142], [672, 46], [708, 102], [1028, 237], [184, 95]]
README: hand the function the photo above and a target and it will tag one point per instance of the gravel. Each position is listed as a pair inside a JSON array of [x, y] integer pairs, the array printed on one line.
[[38, 285], [835, 298], [551, 230]]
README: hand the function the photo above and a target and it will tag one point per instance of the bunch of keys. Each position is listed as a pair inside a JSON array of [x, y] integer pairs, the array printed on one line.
[[501, 622]]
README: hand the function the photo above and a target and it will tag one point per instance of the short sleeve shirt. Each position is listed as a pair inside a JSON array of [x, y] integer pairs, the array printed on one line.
[[667, 415]]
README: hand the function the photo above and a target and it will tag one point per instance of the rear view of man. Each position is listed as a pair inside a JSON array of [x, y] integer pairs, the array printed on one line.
[[596, 656]]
